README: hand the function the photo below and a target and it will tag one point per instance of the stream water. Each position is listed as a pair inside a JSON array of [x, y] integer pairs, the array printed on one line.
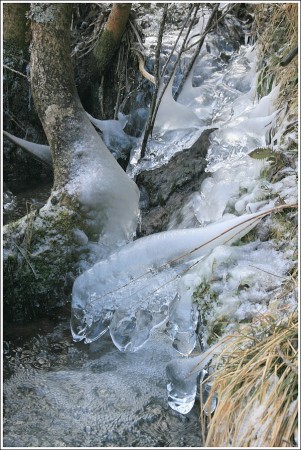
[[58, 393]]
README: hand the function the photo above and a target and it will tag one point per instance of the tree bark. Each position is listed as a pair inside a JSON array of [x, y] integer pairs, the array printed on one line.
[[15, 25], [92, 198], [53, 87], [111, 36]]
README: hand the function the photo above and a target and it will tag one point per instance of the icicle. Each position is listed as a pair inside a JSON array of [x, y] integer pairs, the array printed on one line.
[[41, 152]]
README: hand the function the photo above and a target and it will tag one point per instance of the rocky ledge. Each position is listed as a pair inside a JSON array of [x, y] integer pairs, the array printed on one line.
[[163, 190]]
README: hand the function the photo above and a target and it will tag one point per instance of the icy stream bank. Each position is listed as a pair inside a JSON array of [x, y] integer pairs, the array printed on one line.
[[95, 395], [152, 281]]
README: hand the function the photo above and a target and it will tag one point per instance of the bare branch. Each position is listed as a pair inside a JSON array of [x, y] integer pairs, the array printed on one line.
[[149, 123], [15, 71], [174, 67], [197, 50]]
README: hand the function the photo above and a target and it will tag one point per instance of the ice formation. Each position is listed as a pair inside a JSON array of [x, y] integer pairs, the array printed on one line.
[[239, 279], [232, 189], [182, 377], [183, 317], [129, 293], [152, 280], [106, 194], [112, 133], [118, 142], [42, 152], [137, 288], [108, 197], [172, 115]]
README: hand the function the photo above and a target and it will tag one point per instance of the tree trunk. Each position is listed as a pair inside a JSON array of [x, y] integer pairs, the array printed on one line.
[[92, 198], [111, 36], [14, 26]]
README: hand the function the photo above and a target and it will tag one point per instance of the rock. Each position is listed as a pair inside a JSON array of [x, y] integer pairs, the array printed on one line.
[[167, 186]]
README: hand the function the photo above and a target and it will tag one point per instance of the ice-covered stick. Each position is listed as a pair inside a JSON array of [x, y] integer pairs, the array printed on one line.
[[249, 220], [131, 276], [213, 235]]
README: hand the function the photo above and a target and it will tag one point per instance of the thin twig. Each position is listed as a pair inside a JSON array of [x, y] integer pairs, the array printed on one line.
[[141, 63], [154, 110], [120, 87], [15, 71], [269, 273], [101, 90], [229, 8], [148, 128], [174, 68], [137, 35], [197, 50], [11, 116], [26, 259], [177, 40]]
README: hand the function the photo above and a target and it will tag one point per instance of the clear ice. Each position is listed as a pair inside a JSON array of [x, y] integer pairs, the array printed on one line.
[[182, 375], [130, 292]]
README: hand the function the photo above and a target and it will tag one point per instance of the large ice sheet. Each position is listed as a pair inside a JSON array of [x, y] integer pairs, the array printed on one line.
[[130, 291]]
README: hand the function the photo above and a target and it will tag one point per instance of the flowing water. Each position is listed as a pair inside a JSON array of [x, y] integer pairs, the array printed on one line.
[[58, 393]]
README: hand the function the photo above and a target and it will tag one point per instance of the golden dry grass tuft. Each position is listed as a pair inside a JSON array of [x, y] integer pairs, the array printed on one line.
[[256, 383], [276, 30]]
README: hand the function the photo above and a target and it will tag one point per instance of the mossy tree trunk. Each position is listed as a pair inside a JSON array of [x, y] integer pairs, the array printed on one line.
[[53, 87], [45, 250], [111, 36]]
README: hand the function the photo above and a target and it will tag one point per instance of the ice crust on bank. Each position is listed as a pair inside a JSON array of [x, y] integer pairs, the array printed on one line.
[[233, 187]]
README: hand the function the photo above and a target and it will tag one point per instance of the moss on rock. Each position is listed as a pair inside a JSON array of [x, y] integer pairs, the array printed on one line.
[[40, 262]]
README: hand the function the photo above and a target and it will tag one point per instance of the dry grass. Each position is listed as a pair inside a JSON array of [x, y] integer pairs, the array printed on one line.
[[256, 384], [276, 29]]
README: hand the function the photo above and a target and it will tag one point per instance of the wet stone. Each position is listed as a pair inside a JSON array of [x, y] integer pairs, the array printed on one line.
[[165, 188]]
